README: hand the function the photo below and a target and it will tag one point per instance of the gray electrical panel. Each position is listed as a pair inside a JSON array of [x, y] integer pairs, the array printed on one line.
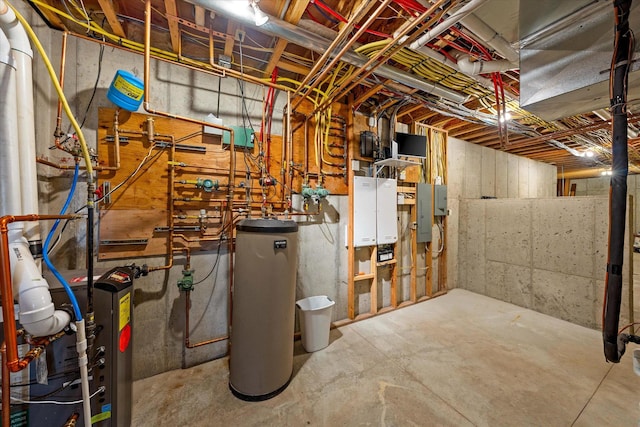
[[439, 200], [423, 214]]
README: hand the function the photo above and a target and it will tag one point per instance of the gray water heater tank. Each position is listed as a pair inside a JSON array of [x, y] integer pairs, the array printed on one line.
[[263, 309]]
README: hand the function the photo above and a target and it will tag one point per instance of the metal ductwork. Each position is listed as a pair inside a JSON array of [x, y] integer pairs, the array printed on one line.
[[278, 28], [565, 56]]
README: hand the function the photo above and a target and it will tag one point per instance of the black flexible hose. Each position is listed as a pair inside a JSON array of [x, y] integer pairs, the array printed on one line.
[[618, 187]]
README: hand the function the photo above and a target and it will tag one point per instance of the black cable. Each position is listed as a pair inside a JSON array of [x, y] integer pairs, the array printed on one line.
[[95, 86], [215, 264]]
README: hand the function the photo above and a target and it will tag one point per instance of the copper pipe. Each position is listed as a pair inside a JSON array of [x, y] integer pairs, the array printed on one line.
[[63, 57], [116, 140], [147, 96], [349, 84], [6, 387], [217, 70], [64, 167], [172, 177], [6, 290], [187, 342], [357, 16]]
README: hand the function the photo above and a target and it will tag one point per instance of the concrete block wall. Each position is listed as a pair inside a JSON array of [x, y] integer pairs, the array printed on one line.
[[548, 255]]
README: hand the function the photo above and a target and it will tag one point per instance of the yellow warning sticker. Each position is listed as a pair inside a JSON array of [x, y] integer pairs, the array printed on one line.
[[125, 310], [127, 89]]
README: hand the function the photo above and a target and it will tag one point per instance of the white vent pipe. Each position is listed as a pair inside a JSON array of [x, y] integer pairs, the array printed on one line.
[[481, 67], [37, 313], [23, 56], [454, 18], [9, 148], [490, 37]]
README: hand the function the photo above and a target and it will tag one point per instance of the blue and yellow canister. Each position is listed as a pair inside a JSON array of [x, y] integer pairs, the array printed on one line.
[[126, 90]]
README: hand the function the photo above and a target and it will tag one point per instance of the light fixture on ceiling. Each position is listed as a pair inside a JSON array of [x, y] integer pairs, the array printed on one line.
[[505, 117], [260, 17], [589, 153]]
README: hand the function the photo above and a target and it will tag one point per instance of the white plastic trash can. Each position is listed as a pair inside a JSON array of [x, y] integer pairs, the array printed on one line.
[[315, 321]]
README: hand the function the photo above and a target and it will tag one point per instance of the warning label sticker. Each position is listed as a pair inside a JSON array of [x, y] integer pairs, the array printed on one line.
[[125, 310], [128, 89]]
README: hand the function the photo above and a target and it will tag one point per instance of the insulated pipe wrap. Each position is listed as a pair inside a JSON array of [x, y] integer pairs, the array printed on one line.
[[618, 188]]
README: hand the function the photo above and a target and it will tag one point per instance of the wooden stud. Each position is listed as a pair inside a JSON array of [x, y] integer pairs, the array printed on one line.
[[360, 99], [228, 44], [292, 15], [174, 27], [51, 16], [112, 17], [374, 281]]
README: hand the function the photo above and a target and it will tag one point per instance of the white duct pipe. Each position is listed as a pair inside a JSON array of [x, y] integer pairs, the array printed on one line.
[[490, 37], [23, 55], [37, 313], [454, 18], [480, 67], [9, 148]]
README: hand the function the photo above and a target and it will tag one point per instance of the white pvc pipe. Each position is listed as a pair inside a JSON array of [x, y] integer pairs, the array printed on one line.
[[9, 165], [27, 141], [480, 67], [23, 55], [81, 348], [490, 37], [38, 315], [454, 18]]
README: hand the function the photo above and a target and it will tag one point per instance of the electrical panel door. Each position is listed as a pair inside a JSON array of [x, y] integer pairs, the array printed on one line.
[[387, 211], [364, 211], [439, 200], [423, 215]]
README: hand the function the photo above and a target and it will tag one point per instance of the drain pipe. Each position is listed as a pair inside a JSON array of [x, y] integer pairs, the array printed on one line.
[[9, 148], [484, 67], [23, 56]]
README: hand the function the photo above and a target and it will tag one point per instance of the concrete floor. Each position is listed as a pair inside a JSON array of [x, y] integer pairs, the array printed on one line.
[[460, 359]]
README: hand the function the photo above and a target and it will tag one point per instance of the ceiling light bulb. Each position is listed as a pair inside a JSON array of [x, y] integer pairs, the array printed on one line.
[[589, 153], [260, 17], [506, 116]]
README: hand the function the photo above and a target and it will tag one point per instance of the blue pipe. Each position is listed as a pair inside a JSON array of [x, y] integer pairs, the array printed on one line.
[[45, 250]]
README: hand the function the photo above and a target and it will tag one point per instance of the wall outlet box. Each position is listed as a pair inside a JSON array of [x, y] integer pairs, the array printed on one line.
[[355, 165]]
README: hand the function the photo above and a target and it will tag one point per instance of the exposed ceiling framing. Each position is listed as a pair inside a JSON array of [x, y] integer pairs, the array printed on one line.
[[375, 66]]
